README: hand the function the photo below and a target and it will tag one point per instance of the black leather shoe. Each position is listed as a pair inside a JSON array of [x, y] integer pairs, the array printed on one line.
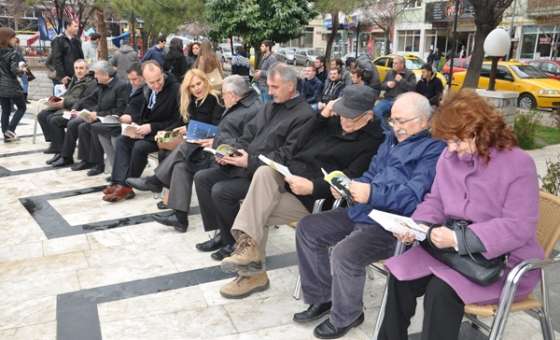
[[53, 159], [96, 170], [212, 244], [142, 184], [161, 206], [62, 162], [172, 221], [314, 312], [224, 252], [326, 330], [82, 166], [51, 150]]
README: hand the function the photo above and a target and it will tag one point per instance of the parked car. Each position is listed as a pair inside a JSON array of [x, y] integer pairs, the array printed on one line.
[[288, 54], [550, 67], [413, 63], [225, 53], [305, 56], [535, 89], [459, 65]]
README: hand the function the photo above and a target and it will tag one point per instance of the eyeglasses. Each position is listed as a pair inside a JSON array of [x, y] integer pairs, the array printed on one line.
[[392, 122]]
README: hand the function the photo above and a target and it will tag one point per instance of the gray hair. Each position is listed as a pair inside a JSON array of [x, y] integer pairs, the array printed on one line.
[[104, 66], [236, 84], [81, 61], [416, 102], [285, 72], [401, 58]]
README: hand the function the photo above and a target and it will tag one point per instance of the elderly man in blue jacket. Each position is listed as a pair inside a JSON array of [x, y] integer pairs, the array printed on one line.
[[399, 176]]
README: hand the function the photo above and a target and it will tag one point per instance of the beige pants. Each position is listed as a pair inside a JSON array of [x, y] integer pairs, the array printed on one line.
[[267, 203]]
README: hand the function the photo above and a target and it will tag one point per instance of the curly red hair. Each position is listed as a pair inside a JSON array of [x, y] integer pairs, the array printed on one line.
[[465, 114]]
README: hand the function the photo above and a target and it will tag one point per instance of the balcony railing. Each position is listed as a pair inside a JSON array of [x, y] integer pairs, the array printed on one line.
[[543, 8]]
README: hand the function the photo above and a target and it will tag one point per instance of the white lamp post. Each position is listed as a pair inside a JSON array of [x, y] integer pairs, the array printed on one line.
[[496, 45]]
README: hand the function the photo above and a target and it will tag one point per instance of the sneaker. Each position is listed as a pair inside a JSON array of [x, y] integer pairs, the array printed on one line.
[[246, 257], [243, 286]]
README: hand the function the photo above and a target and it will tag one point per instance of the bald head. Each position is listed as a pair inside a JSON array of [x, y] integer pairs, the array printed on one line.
[[153, 76], [410, 115]]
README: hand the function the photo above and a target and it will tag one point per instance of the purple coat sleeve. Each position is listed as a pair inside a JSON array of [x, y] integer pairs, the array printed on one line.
[[520, 212], [431, 209]]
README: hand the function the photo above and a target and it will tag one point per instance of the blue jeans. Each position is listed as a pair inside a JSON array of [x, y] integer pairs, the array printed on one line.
[[7, 105], [265, 97]]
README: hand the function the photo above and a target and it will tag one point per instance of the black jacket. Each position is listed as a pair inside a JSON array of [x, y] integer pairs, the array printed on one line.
[[406, 84], [431, 89], [332, 91], [165, 113], [111, 99], [135, 104], [312, 89], [322, 144], [176, 64], [274, 132], [209, 111], [9, 71], [77, 89], [234, 119], [63, 54]]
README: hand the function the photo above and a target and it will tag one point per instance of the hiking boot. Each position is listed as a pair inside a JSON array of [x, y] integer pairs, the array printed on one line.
[[243, 286], [245, 258]]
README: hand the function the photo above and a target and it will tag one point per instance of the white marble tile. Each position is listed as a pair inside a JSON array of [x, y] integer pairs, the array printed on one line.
[[192, 324], [153, 304], [42, 266], [24, 162], [65, 245], [28, 287], [28, 312], [109, 238], [21, 251], [43, 331]]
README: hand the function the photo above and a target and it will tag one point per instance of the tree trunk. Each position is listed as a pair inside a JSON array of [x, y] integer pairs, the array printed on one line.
[[332, 36], [132, 30], [475, 65], [102, 30], [387, 42]]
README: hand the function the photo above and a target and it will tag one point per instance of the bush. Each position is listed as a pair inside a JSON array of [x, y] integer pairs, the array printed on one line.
[[525, 126], [551, 181]]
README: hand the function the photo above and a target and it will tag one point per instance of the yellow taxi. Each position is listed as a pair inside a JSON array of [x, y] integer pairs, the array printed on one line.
[[413, 63], [535, 89]]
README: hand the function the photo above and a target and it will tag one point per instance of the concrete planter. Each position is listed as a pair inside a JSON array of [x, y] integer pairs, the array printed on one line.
[[504, 101]]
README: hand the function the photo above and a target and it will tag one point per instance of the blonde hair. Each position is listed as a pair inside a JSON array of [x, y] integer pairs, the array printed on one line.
[[186, 93]]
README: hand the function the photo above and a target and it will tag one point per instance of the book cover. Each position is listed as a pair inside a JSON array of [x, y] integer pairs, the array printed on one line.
[[198, 130], [275, 165], [112, 119], [398, 224], [166, 136], [223, 150], [339, 182]]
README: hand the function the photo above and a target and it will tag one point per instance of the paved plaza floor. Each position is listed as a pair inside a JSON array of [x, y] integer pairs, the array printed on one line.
[[73, 267]]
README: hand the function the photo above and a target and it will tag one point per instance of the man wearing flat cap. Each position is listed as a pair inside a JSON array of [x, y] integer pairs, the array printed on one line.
[[342, 137], [335, 247]]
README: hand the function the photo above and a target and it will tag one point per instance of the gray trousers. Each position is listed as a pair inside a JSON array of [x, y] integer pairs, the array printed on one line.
[[174, 174], [339, 276], [106, 134]]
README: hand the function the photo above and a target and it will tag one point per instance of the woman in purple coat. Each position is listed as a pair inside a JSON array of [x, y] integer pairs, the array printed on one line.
[[481, 177]]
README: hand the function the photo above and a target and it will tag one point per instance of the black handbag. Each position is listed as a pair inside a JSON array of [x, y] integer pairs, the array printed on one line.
[[474, 267]]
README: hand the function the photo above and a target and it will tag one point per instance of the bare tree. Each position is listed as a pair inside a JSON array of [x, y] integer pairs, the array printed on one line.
[[487, 15], [58, 11], [384, 14]]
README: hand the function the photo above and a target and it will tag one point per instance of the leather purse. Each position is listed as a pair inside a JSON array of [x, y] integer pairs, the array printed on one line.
[[473, 266]]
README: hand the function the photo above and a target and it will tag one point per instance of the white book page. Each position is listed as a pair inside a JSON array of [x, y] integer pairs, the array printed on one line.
[[275, 165], [398, 224]]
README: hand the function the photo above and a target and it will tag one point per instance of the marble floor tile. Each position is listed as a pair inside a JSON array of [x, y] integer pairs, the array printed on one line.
[[21, 251], [110, 238], [64, 245], [43, 331], [28, 312], [42, 266], [24, 162], [28, 287]]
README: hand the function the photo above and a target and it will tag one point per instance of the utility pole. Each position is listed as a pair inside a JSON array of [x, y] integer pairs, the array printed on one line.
[[457, 2], [511, 31]]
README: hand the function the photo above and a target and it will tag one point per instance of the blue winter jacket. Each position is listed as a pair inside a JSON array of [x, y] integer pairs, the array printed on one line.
[[400, 175]]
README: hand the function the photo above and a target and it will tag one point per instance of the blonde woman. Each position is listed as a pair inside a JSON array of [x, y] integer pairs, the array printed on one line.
[[209, 63]]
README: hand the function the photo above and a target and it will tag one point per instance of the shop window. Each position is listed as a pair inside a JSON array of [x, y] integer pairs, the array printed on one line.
[[408, 41]]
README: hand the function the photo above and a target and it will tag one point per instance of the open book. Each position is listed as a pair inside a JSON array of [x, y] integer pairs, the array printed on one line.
[[339, 182], [223, 150], [398, 224], [112, 119], [275, 165], [198, 130], [129, 130], [83, 113], [166, 136]]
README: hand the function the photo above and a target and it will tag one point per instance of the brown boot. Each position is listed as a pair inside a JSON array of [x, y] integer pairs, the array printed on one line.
[[243, 286], [246, 257]]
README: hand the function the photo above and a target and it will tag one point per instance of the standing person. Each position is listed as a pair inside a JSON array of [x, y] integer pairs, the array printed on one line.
[[430, 59], [320, 68], [24, 79], [240, 62], [267, 60], [437, 59], [488, 183], [192, 54], [156, 52], [209, 63], [65, 49], [11, 91], [397, 81], [335, 247], [123, 59], [90, 49], [175, 62], [430, 85]]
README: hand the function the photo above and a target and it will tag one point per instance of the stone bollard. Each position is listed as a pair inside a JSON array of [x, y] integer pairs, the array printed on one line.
[[504, 101]]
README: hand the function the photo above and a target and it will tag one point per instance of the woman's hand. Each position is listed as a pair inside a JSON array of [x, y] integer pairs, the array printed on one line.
[[182, 130], [360, 191], [443, 237], [299, 185]]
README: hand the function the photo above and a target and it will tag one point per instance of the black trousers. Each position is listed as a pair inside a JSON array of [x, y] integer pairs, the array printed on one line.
[[443, 309], [7, 104], [56, 125], [219, 194], [43, 118], [71, 137], [131, 157], [89, 146]]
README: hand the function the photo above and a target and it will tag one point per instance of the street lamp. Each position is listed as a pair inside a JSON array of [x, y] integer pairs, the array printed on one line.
[[496, 45]]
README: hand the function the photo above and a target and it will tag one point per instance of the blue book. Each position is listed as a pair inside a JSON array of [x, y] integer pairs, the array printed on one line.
[[198, 130]]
